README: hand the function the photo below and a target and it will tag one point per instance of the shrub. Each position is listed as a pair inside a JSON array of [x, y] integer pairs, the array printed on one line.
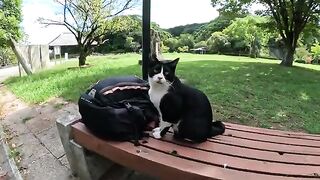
[[315, 50], [7, 57], [300, 61], [218, 42], [164, 49], [172, 44], [201, 44], [301, 54], [183, 49]]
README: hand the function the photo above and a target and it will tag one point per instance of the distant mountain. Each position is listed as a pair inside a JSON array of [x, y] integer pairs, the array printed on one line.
[[189, 28]]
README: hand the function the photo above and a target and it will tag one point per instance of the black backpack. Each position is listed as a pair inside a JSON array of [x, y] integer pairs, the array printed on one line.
[[118, 108]]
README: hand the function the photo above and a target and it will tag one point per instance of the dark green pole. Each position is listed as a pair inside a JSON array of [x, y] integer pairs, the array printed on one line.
[[145, 37]]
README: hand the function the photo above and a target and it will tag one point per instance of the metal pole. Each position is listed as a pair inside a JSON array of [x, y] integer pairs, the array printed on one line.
[[145, 37]]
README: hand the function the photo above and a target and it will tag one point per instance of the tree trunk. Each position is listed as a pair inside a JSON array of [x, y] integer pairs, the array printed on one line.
[[82, 58], [22, 60], [288, 59]]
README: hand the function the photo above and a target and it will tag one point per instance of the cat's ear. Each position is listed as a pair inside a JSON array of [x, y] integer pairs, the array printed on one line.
[[154, 58], [174, 62]]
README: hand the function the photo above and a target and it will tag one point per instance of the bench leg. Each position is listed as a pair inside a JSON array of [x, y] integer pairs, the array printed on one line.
[[85, 165], [89, 166], [64, 129]]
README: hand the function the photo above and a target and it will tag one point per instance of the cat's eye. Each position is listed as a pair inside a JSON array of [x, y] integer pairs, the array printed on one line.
[[166, 73], [155, 70]]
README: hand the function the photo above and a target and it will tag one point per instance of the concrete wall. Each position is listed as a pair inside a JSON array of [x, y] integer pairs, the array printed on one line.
[[44, 56], [37, 55]]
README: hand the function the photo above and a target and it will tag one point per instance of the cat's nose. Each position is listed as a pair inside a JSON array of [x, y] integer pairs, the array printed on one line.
[[160, 78]]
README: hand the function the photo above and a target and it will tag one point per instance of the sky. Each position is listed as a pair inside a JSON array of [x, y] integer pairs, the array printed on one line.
[[166, 13]]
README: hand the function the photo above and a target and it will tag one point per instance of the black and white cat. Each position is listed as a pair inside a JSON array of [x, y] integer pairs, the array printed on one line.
[[187, 110]]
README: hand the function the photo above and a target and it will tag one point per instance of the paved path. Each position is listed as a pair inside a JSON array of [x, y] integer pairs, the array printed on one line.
[[7, 72], [32, 132]]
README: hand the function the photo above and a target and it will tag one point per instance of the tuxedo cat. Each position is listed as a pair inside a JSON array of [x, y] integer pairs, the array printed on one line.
[[187, 110]]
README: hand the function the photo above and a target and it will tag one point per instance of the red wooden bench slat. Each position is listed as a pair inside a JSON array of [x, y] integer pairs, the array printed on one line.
[[272, 132], [250, 153], [266, 146], [157, 163], [242, 164], [274, 139]]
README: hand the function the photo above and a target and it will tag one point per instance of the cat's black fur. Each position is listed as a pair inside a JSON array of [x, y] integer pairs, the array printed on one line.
[[184, 105]]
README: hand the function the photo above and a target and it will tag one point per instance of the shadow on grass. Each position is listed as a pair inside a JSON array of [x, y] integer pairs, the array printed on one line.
[[255, 94], [258, 94]]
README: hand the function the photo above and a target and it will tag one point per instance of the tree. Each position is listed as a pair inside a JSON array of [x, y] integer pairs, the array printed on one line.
[[218, 24], [290, 18], [249, 31], [218, 42], [186, 40], [315, 50], [90, 21], [10, 19], [118, 38], [310, 34], [201, 44], [10, 32], [172, 44], [185, 29]]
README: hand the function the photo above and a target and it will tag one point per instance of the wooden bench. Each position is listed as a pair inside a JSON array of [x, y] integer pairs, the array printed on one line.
[[241, 153]]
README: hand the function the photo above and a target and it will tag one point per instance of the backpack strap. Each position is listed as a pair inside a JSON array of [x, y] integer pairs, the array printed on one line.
[[136, 112]]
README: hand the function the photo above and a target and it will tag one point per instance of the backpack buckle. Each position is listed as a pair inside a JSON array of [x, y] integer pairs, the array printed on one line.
[[128, 106]]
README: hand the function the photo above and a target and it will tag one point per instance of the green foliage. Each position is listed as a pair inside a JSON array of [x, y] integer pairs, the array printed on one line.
[[201, 44], [91, 22], [183, 49], [7, 56], [172, 44], [247, 35], [205, 31], [181, 44], [288, 17], [130, 45], [301, 54], [232, 8], [186, 40], [185, 29], [10, 19], [310, 34], [164, 49], [126, 36], [218, 43], [315, 50]]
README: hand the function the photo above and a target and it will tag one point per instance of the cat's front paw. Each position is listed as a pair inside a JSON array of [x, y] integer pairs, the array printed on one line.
[[156, 129], [156, 133]]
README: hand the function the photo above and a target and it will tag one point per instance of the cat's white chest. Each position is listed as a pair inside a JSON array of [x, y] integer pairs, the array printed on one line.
[[156, 95]]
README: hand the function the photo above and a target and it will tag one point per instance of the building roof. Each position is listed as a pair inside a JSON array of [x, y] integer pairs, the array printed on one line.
[[64, 39]]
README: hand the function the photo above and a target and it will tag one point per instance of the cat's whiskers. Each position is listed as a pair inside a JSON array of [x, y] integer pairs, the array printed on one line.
[[171, 84]]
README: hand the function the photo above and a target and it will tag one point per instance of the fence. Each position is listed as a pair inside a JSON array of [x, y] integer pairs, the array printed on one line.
[[37, 55]]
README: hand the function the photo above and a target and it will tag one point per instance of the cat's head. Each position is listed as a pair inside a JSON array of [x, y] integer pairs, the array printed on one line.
[[161, 72]]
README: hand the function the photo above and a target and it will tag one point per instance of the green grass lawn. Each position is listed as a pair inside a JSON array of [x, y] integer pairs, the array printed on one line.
[[255, 92]]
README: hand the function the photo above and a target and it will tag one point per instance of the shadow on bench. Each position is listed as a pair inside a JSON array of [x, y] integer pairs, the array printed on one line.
[[241, 153]]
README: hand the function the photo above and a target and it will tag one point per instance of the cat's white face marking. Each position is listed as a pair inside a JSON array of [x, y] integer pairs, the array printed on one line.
[[158, 79], [158, 88]]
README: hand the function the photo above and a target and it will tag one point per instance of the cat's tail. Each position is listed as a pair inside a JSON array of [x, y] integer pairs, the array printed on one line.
[[218, 128]]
